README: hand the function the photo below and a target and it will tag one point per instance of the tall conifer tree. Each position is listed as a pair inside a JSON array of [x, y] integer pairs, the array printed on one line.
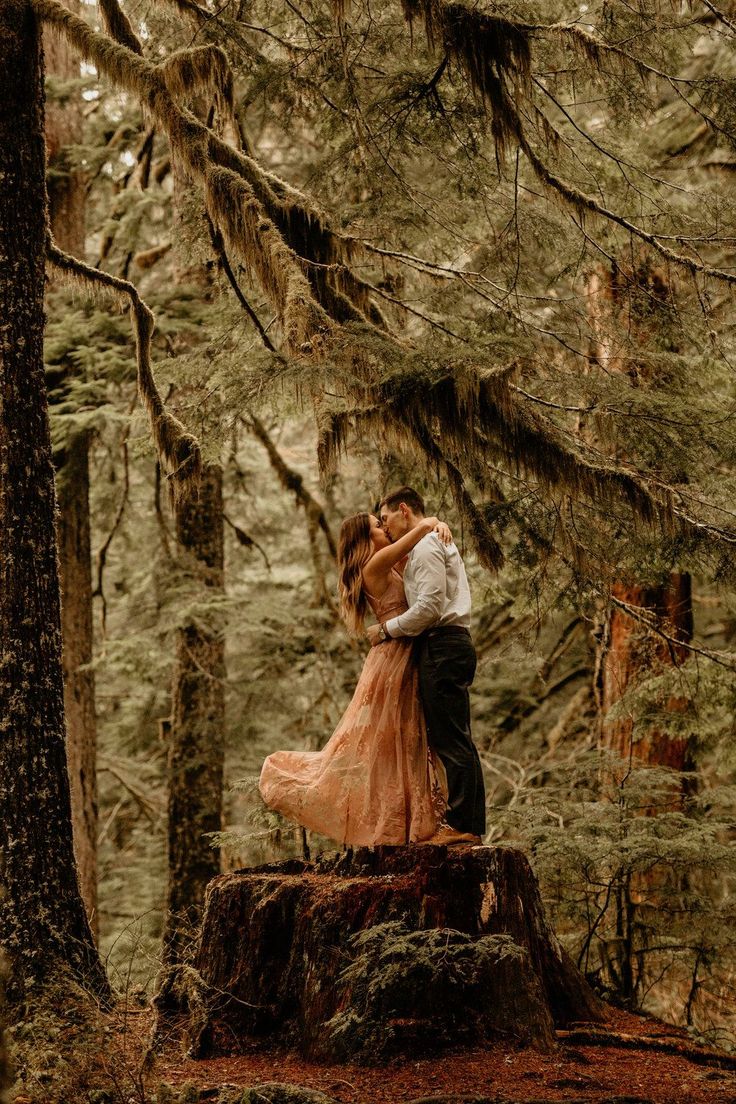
[[43, 923]]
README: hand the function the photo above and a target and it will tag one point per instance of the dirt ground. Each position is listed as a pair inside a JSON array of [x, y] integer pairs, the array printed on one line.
[[578, 1070]]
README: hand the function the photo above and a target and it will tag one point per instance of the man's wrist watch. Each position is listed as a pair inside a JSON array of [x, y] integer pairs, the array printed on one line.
[[382, 634]]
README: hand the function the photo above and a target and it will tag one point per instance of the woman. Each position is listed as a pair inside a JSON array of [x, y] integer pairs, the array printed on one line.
[[374, 782]]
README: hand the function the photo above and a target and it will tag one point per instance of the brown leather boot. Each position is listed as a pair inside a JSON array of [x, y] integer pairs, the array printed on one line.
[[447, 836]]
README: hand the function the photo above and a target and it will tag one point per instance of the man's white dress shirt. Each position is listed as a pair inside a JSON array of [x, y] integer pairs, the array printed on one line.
[[436, 589]]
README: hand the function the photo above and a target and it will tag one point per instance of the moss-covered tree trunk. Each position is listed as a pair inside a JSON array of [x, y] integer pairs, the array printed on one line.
[[73, 526], [197, 738], [67, 200], [196, 751], [43, 923], [66, 183]]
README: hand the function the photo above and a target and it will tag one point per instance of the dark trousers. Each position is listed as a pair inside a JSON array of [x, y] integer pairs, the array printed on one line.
[[446, 669]]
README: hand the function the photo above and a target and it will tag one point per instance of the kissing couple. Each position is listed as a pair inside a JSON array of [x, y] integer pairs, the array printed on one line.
[[401, 766]]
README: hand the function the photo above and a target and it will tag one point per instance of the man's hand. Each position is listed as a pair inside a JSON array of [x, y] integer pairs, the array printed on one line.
[[373, 637]]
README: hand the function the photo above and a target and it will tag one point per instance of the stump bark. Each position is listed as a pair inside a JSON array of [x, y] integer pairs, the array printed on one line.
[[374, 953]]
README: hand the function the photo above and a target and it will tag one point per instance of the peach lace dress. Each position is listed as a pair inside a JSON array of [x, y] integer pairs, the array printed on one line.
[[374, 782]]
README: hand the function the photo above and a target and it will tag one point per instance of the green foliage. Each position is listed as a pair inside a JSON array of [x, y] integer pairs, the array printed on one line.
[[396, 972], [639, 888]]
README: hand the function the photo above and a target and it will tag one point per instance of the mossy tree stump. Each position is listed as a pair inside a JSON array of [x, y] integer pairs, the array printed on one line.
[[377, 952]]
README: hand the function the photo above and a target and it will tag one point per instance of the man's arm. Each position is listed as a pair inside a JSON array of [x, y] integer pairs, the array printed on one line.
[[428, 566]]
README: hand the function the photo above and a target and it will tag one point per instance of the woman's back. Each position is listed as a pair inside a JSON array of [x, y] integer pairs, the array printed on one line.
[[393, 600]]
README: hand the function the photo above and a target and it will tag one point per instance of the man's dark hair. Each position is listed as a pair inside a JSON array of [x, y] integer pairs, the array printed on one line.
[[407, 495]]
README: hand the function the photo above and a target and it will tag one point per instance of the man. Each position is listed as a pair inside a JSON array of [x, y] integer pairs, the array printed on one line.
[[438, 596]]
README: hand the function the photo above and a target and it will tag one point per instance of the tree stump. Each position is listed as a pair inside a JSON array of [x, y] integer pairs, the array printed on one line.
[[383, 951]]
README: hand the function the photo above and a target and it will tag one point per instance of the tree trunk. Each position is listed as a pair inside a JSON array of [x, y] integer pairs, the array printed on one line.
[[75, 562], [620, 330], [43, 923], [67, 202], [5, 1075], [197, 734], [196, 752], [630, 653], [377, 953], [66, 184]]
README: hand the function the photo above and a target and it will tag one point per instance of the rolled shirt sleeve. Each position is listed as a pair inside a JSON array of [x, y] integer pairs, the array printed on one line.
[[430, 583]]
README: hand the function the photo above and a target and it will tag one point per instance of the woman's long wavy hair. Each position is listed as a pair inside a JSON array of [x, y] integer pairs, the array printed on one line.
[[354, 549]]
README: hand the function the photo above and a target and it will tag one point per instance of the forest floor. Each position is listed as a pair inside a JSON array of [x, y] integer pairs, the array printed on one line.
[[632, 1064]]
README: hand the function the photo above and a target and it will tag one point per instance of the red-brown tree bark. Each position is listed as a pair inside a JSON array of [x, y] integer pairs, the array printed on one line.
[[646, 630], [631, 653], [625, 310]]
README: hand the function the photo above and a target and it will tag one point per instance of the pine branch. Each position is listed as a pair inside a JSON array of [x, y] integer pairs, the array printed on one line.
[[202, 67], [582, 203], [267, 221], [480, 415], [199, 15], [652, 623], [292, 481], [178, 449], [489, 550], [719, 15], [224, 263], [495, 56]]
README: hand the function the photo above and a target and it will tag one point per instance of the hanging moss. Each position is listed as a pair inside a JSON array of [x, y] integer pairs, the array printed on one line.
[[493, 53], [478, 417], [240, 196], [204, 67]]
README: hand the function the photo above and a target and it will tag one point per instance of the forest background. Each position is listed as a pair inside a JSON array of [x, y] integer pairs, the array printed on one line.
[[513, 230]]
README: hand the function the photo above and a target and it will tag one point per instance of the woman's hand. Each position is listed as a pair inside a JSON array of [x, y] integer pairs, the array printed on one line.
[[441, 528], [443, 531]]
